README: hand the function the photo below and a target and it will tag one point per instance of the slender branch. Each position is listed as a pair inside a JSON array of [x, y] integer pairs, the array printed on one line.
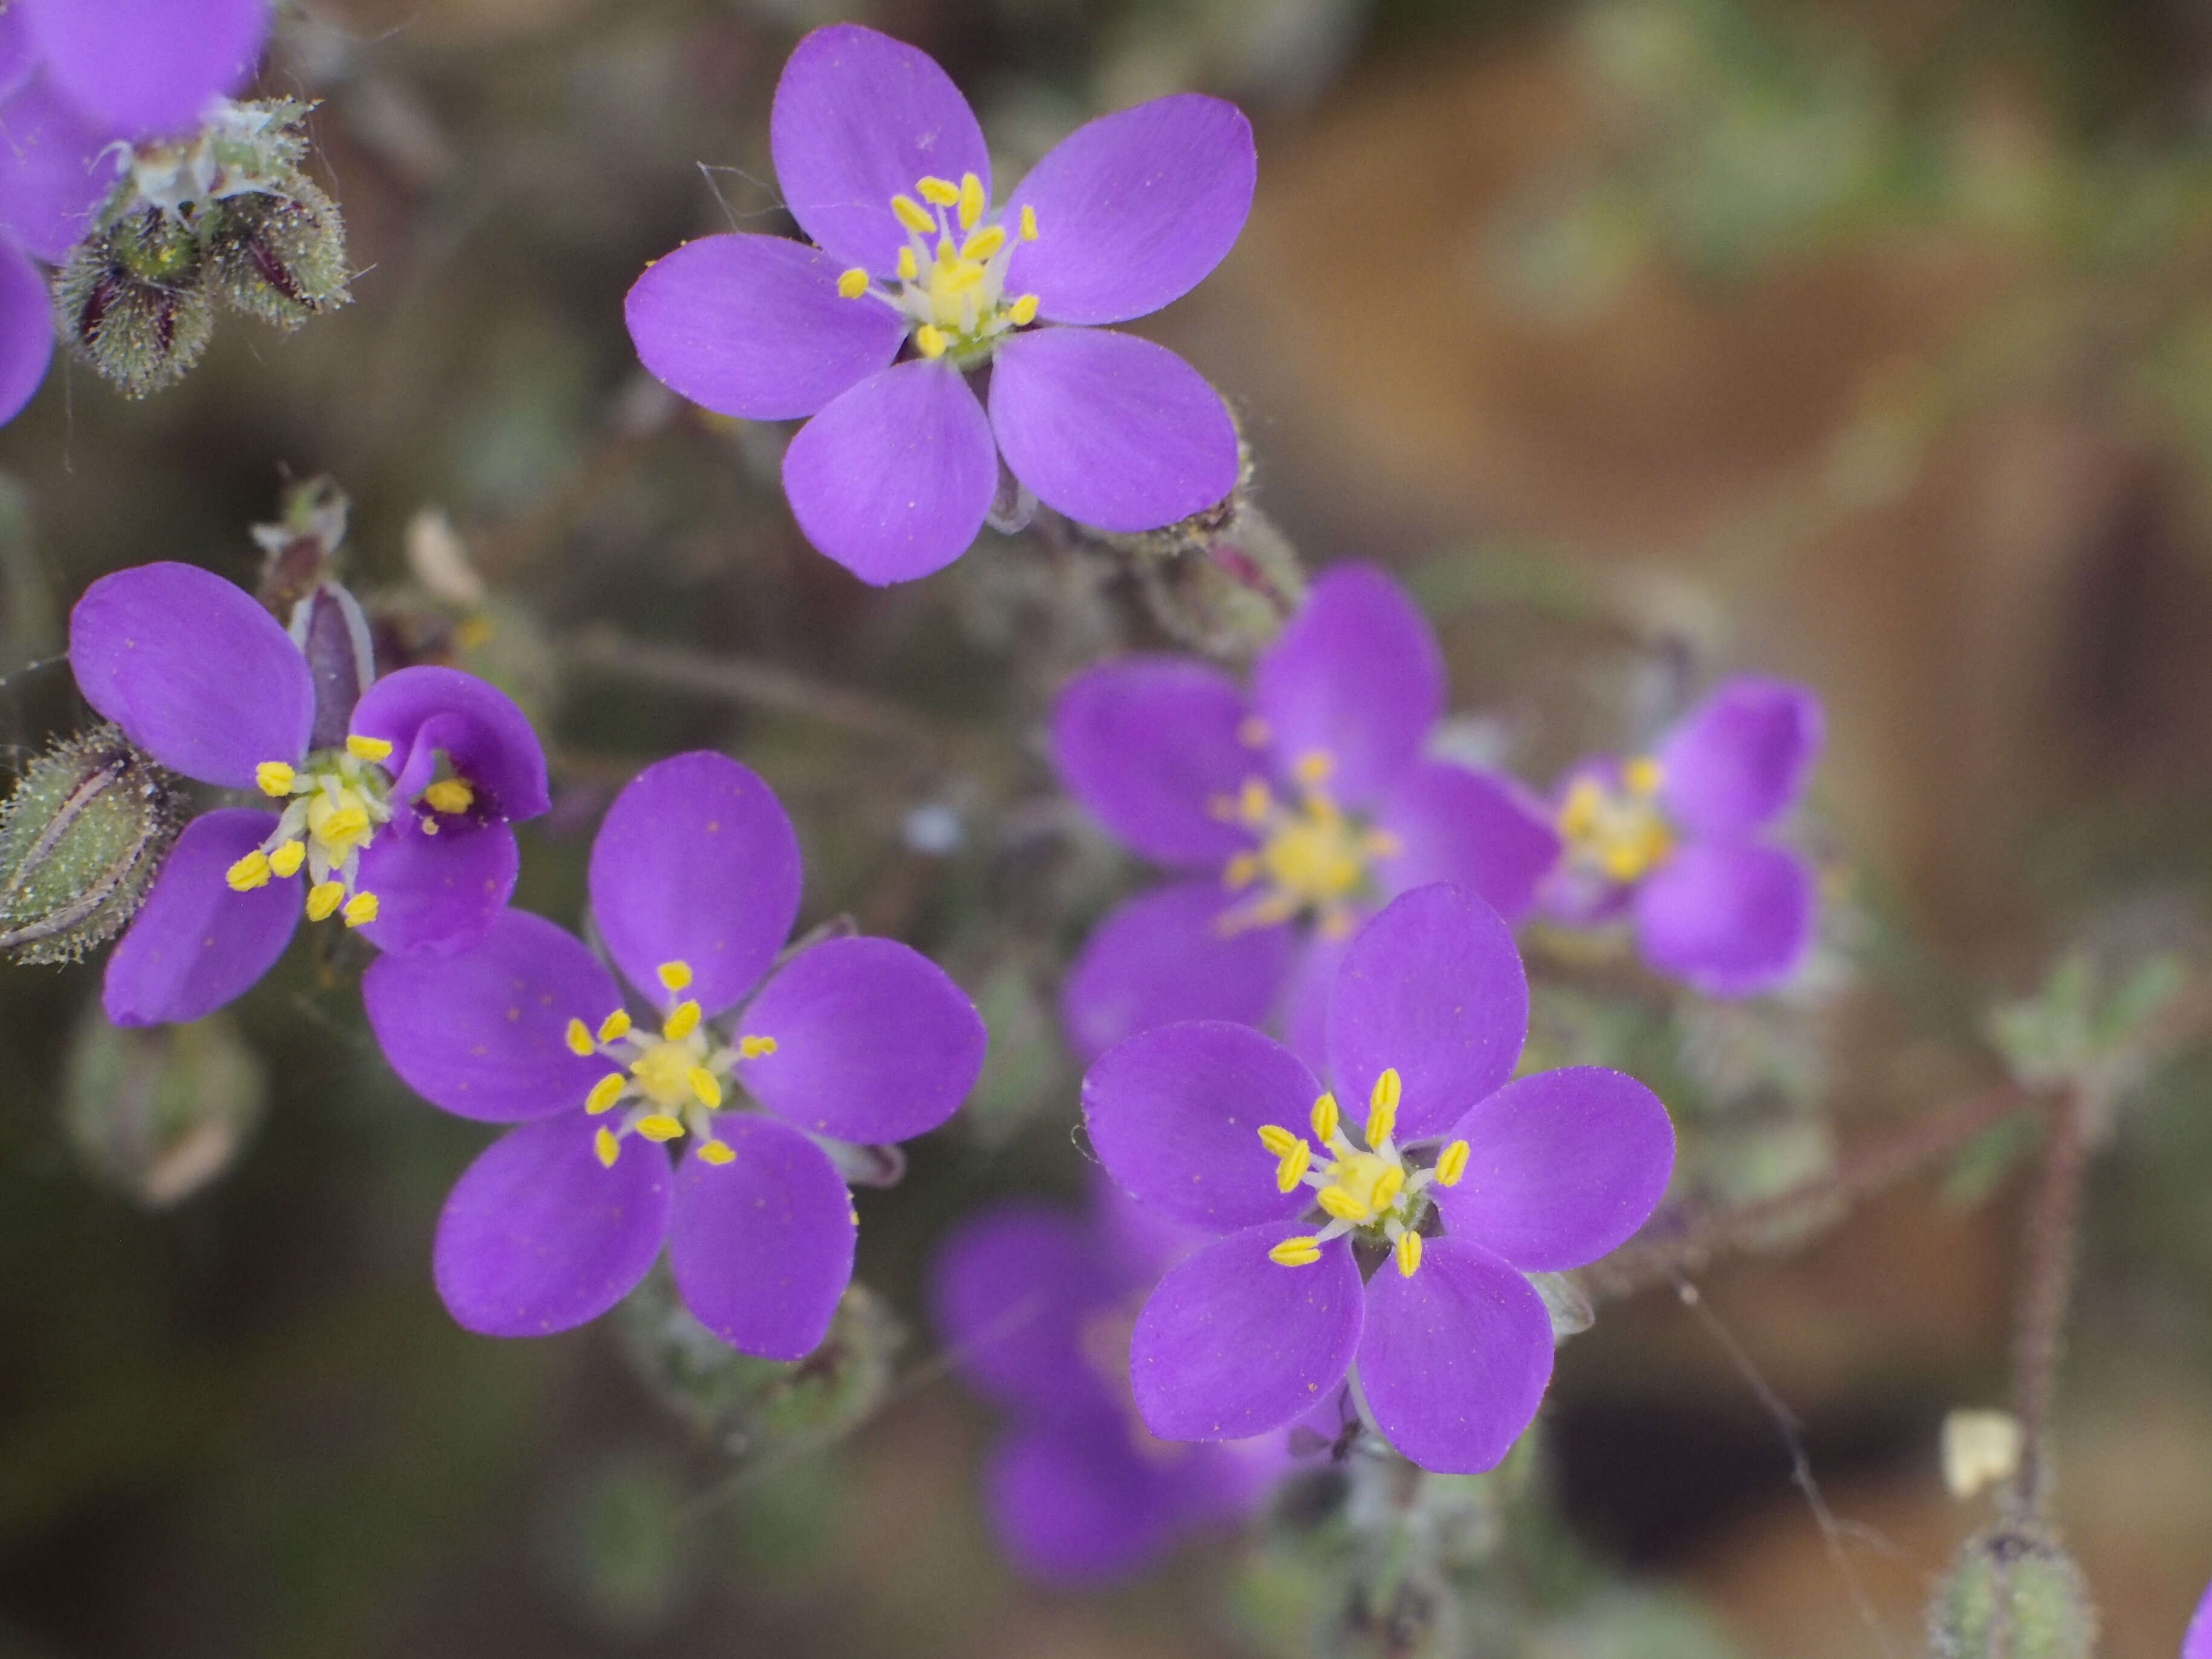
[[1703, 1237], [2046, 1287]]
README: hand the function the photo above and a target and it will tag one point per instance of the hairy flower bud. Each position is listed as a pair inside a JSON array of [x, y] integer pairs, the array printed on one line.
[[1223, 582], [281, 256], [133, 303], [2013, 1593], [158, 1112], [81, 839]]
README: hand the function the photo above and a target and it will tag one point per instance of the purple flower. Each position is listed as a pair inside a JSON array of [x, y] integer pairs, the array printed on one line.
[[694, 880], [76, 77], [1458, 1184], [1035, 1306], [1674, 839], [400, 825], [1288, 815], [2197, 1644], [914, 283]]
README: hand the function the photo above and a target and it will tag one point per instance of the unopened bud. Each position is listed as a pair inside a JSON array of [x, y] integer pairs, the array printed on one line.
[[131, 301], [158, 1112], [281, 256], [1224, 581], [2013, 1593], [81, 841]]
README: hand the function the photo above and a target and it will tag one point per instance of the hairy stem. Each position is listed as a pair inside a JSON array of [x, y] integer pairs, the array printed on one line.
[[2046, 1287]]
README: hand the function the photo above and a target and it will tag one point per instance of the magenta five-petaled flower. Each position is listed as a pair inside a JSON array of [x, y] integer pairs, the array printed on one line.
[[2197, 1644], [1291, 813], [1389, 1240], [1676, 841], [398, 823], [694, 884], [77, 76], [916, 282]]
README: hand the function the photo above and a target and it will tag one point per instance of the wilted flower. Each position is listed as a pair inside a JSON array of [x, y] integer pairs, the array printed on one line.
[[915, 283], [695, 881], [1675, 840], [400, 825], [1459, 1184], [1291, 813]]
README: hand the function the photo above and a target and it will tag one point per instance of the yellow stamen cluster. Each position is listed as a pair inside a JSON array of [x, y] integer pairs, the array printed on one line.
[[1313, 860], [952, 274], [1617, 831], [1375, 1192], [670, 1084]]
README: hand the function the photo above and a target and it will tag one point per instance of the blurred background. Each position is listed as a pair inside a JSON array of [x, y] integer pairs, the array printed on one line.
[[1868, 342]]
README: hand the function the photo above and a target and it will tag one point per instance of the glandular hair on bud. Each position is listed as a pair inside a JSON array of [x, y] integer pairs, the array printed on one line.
[[159, 1113], [2014, 1593], [132, 302], [280, 256], [81, 839]]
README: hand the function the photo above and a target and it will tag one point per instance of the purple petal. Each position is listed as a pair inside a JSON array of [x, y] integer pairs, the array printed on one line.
[[149, 66], [53, 175], [1075, 1504], [539, 1237], [1134, 208], [1012, 1293], [1150, 746], [193, 671], [488, 740], [754, 326], [1303, 1017], [1562, 1166], [19, 53], [893, 478], [1139, 1244], [1358, 677], [1160, 957], [1740, 757], [1730, 920], [1112, 430], [1175, 1114], [195, 944], [1433, 986], [482, 1034], [2197, 1644], [1233, 1345], [873, 1042], [761, 1247], [861, 117], [1455, 1359], [438, 894], [696, 862], [26, 331], [1481, 829]]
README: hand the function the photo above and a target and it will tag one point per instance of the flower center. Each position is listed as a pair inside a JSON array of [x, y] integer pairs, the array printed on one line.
[[1313, 859], [1380, 1193], [952, 271], [667, 1085], [1618, 830]]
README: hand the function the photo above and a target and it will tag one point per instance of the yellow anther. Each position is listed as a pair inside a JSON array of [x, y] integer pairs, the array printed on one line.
[[614, 1026], [915, 217], [930, 341], [450, 795], [1240, 871], [908, 270], [1277, 1139], [1643, 775], [607, 1091], [1314, 766], [939, 192], [274, 778], [1293, 1167], [715, 1152], [1382, 1106], [1300, 1252], [248, 873], [361, 909], [606, 1145], [984, 243], [755, 1048], [705, 1085], [579, 1038], [368, 749], [1342, 1205], [287, 859], [673, 975], [1408, 1254], [1253, 801], [1325, 1119], [1023, 311], [659, 1126], [853, 283], [1391, 1183], [972, 200], [324, 899], [1029, 224], [1453, 1164], [682, 1020]]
